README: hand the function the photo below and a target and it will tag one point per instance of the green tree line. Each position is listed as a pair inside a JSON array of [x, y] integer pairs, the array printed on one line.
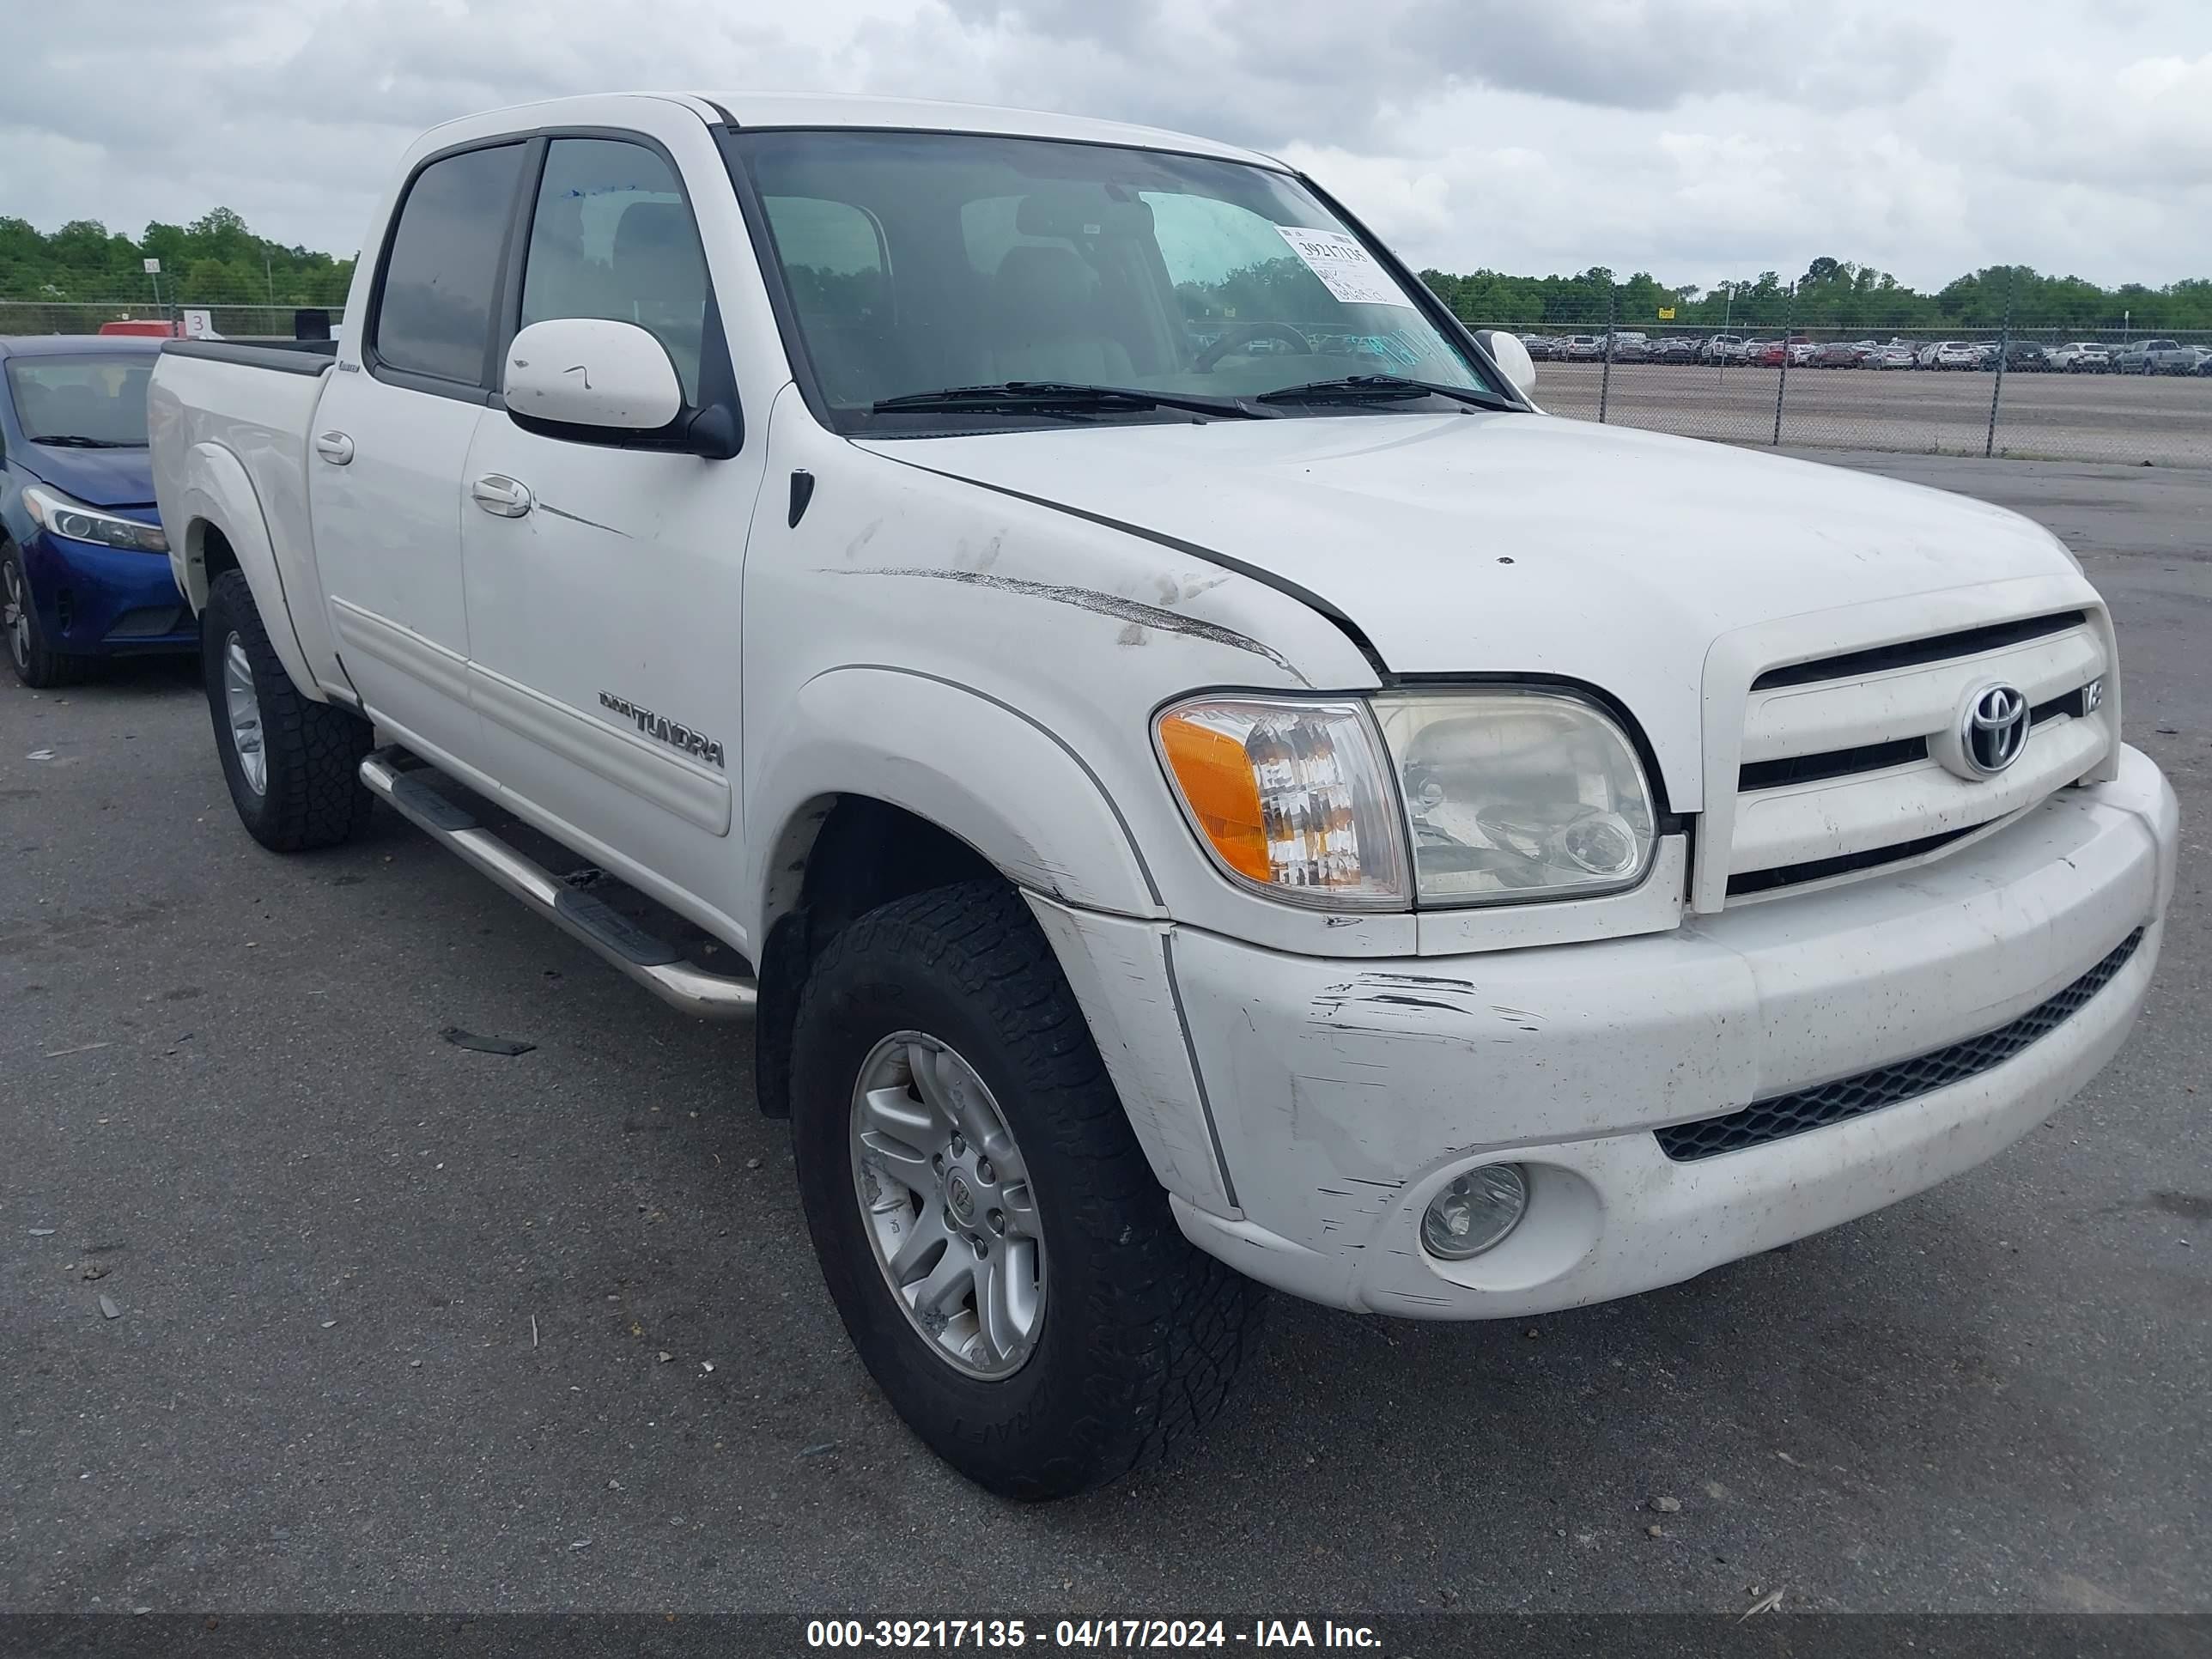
[[214, 261], [1832, 294]]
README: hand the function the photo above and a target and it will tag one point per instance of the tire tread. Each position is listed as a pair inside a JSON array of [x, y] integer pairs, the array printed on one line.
[[1168, 1326], [314, 749]]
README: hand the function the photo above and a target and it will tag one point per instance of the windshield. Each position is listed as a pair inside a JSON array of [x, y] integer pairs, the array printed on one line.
[[98, 399], [920, 262]]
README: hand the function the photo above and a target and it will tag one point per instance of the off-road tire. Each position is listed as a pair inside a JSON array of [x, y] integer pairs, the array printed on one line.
[[314, 796], [1142, 1331]]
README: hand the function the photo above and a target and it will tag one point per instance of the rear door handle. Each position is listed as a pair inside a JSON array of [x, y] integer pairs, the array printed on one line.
[[334, 447], [501, 495]]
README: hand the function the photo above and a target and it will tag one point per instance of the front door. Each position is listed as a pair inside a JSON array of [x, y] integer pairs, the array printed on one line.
[[392, 433], [604, 583]]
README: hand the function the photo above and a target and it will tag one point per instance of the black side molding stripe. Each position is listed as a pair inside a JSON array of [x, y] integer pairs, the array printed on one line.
[[1281, 584]]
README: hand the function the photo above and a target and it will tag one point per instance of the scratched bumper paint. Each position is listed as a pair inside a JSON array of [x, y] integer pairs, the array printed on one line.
[[1344, 1095]]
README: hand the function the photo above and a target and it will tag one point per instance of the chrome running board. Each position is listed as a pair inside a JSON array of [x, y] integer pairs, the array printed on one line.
[[399, 779]]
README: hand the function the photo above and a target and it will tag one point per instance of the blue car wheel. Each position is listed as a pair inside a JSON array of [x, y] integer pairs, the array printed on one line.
[[36, 666]]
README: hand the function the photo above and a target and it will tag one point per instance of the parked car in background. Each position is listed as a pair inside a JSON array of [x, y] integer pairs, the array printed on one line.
[[1674, 350], [1538, 346], [1948, 354], [1584, 348], [1836, 354], [2082, 358], [194, 324], [1765, 353], [84, 571], [2023, 357], [1415, 934], [1722, 349], [2157, 356], [1894, 356]]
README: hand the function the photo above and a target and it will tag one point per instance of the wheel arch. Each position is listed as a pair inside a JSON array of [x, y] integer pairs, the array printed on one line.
[[885, 782], [224, 528]]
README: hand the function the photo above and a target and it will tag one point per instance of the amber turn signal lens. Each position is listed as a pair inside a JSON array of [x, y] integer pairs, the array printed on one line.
[[1216, 777], [1292, 798]]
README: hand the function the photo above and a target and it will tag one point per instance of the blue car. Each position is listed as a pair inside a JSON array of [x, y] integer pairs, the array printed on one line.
[[84, 567]]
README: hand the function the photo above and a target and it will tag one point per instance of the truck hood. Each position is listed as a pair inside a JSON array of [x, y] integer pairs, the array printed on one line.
[[98, 477], [1508, 544]]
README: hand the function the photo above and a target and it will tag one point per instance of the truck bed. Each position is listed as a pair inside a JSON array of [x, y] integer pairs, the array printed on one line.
[[229, 425], [286, 356]]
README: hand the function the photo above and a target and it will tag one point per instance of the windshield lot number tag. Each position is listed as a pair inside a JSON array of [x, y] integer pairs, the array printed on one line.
[[1345, 268]]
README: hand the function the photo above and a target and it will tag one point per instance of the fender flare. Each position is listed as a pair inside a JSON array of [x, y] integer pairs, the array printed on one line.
[[215, 492], [984, 771], [945, 752]]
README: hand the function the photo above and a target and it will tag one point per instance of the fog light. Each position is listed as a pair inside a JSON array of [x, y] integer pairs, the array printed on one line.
[[1474, 1211]]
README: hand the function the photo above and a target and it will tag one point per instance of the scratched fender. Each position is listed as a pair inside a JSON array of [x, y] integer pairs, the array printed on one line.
[[939, 750]]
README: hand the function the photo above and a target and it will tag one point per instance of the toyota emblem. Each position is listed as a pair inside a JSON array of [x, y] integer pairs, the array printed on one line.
[[1993, 729]]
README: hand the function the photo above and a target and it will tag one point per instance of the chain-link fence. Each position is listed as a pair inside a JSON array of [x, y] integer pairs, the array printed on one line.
[[2027, 390], [231, 321]]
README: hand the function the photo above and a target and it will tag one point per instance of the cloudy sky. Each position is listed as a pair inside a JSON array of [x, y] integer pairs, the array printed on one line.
[[1697, 139]]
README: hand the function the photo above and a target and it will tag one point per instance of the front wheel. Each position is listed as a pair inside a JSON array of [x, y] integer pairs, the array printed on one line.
[[292, 764], [36, 665], [998, 1248]]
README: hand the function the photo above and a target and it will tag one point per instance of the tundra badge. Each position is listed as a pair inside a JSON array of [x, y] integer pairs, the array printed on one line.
[[694, 744]]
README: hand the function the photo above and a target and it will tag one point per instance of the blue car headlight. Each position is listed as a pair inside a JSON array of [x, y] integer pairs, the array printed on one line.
[[57, 514]]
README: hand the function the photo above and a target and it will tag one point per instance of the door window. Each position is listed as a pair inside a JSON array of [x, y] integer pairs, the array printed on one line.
[[613, 237], [441, 277], [834, 268]]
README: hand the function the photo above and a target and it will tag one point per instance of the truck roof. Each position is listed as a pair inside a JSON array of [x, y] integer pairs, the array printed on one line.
[[794, 109]]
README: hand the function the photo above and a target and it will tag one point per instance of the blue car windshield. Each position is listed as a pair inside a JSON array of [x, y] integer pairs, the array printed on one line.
[[97, 399]]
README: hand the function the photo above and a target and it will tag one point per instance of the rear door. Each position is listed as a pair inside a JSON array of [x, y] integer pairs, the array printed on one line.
[[603, 580], [391, 434]]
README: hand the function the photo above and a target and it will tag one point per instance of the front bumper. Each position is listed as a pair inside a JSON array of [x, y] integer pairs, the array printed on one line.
[[1344, 1095], [106, 601]]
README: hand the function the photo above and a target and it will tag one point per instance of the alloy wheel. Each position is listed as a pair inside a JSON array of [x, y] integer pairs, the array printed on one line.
[[945, 1199]]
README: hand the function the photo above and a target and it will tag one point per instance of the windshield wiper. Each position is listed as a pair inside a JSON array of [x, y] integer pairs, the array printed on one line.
[[1046, 397], [1382, 388], [77, 441]]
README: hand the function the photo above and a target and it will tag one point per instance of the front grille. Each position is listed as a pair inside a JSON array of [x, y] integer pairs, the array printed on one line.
[[1935, 648], [146, 623], [1838, 776], [1844, 864], [1793, 1114], [1834, 763]]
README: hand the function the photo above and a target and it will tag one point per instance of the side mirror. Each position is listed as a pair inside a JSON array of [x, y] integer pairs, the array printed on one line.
[[590, 371], [1510, 355]]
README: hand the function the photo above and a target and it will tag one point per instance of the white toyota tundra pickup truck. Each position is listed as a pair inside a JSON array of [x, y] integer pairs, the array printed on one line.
[[1195, 778]]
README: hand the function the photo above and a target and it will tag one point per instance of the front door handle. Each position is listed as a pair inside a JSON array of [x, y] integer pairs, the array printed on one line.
[[334, 447], [501, 495]]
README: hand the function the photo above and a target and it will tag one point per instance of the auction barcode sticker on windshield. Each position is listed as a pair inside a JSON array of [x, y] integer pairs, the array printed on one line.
[[1345, 268]]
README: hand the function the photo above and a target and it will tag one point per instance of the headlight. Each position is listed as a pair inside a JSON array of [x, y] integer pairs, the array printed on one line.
[[1512, 795], [1293, 798], [80, 523]]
